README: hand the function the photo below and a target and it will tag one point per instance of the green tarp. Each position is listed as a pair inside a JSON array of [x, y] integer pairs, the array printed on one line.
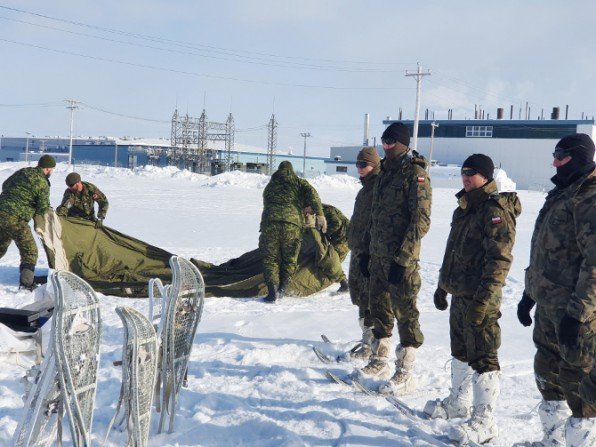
[[116, 264]]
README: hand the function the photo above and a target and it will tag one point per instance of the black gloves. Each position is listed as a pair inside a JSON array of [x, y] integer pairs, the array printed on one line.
[[363, 261], [440, 298], [396, 273], [98, 224], [523, 310], [569, 331]]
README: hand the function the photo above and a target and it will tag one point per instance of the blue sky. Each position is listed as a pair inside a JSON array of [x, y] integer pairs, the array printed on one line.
[[319, 64]]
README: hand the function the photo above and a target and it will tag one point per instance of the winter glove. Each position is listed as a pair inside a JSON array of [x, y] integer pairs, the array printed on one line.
[[523, 310], [363, 261], [476, 313], [321, 224], [569, 331], [98, 224], [396, 273], [440, 298]]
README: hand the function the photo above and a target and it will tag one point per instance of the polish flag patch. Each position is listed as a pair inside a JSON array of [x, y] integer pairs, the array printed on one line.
[[496, 220], [420, 179]]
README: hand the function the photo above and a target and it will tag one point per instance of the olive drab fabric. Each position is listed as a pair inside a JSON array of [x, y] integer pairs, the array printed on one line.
[[337, 235], [561, 279], [400, 217], [117, 264], [81, 204], [25, 193], [475, 266], [359, 225]]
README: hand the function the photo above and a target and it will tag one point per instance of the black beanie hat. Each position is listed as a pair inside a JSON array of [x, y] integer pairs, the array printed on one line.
[[580, 146], [72, 179], [481, 163], [46, 161], [397, 132]]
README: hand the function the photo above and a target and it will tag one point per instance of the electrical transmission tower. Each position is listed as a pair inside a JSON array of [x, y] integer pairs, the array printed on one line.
[[230, 129], [271, 144]]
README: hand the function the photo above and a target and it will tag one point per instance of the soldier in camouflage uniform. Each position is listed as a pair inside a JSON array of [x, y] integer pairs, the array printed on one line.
[[284, 199], [400, 217], [337, 235], [561, 281], [368, 164], [24, 194], [79, 200], [475, 266]]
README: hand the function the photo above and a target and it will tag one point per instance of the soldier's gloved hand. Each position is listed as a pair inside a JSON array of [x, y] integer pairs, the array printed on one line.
[[476, 313], [321, 223], [440, 299], [98, 224], [569, 331], [523, 310], [363, 261], [396, 273]]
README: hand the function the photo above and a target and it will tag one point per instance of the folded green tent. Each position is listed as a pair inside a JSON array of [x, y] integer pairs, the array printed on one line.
[[116, 264]]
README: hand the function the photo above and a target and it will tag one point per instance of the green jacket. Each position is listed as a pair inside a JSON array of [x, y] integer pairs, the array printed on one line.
[[25, 193], [359, 223], [285, 197], [400, 212], [337, 225], [81, 204], [478, 254], [562, 271]]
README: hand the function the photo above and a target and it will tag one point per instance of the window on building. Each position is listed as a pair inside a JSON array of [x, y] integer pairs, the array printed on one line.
[[479, 131], [341, 169]]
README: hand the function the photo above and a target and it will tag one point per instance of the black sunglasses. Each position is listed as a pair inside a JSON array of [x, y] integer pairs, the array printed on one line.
[[468, 172], [361, 164], [561, 154], [388, 141]]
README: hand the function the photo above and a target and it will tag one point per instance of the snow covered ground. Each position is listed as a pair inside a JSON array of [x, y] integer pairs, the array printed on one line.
[[253, 378]]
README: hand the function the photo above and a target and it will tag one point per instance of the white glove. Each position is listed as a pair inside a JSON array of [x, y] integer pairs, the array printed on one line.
[[321, 224]]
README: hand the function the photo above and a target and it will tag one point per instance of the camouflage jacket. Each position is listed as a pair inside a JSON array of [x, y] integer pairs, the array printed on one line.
[[361, 217], [25, 193], [562, 271], [81, 204], [285, 197], [337, 225], [478, 253], [400, 211]]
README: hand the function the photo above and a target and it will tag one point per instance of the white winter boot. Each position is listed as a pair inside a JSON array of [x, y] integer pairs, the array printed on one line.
[[580, 432], [377, 366], [457, 404], [403, 381], [364, 349], [481, 427], [553, 415]]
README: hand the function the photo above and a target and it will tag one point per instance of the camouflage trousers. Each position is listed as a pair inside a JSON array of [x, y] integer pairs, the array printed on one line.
[[474, 345], [359, 290], [279, 245], [17, 230], [558, 369], [388, 302]]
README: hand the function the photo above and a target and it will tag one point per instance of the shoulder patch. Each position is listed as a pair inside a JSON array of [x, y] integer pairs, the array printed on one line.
[[496, 220], [420, 179], [95, 196]]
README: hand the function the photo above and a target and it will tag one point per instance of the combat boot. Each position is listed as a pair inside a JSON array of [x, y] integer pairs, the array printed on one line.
[[272, 293], [283, 287], [343, 286], [403, 381], [26, 277], [362, 350], [457, 404], [553, 415], [377, 366], [580, 432], [481, 427]]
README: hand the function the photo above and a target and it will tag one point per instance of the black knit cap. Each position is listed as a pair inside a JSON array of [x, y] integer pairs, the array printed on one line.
[[72, 179], [579, 145], [397, 132], [481, 163], [46, 161]]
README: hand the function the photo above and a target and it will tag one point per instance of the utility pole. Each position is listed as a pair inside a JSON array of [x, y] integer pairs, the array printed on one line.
[[418, 75], [115, 153], [305, 135], [27, 149], [72, 105], [433, 126]]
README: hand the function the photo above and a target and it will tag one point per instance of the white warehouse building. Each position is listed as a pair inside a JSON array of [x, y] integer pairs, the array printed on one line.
[[523, 148]]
